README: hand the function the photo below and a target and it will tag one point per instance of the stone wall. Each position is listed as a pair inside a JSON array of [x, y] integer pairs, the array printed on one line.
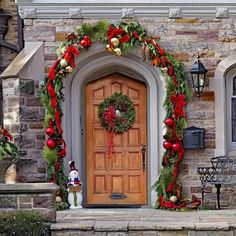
[[23, 116], [38, 197], [7, 55], [183, 38]]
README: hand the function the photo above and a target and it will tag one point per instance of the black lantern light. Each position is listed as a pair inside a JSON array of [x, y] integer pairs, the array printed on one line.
[[198, 73]]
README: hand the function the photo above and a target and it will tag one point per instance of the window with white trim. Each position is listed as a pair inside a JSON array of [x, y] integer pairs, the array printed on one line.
[[231, 111]]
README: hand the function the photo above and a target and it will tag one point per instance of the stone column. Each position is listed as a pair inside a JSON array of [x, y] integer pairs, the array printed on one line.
[[23, 116]]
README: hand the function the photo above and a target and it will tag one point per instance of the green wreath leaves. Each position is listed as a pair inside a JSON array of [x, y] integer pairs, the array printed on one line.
[[125, 113]]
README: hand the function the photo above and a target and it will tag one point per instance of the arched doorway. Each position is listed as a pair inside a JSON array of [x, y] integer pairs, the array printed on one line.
[[97, 63]]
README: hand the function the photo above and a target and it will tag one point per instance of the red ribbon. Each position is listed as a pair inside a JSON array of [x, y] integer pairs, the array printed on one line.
[[54, 102], [179, 104], [114, 31], [170, 70], [69, 55], [171, 186], [159, 49], [57, 166], [62, 152], [135, 34], [58, 121], [51, 90], [71, 36], [52, 72], [7, 133], [125, 39], [169, 204]]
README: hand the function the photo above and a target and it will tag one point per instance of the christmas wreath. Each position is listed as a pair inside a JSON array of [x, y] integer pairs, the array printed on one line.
[[117, 113]]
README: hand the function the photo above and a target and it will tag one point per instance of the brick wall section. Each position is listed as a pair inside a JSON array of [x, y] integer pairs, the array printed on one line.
[[23, 116], [183, 38]]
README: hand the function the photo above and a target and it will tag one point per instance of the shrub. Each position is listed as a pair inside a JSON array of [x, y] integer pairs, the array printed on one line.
[[23, 223]]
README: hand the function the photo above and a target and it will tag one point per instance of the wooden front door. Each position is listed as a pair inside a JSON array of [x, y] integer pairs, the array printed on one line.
[[120, 178]]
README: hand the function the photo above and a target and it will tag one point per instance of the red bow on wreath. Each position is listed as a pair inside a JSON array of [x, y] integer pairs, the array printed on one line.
[[110, 116]]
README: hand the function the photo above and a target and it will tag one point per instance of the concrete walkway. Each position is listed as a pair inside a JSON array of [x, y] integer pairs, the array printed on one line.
[[144, 221]]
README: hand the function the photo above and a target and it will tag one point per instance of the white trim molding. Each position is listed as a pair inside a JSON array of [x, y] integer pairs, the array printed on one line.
[[222, 12], [218, 85], [94, 64], [136, 8]]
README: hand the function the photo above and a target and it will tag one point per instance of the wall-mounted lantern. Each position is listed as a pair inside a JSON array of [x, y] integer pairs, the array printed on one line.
[[198, 74], [4, 17]]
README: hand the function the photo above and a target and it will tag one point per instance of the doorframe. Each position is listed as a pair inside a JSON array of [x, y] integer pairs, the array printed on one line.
[[97, 63]]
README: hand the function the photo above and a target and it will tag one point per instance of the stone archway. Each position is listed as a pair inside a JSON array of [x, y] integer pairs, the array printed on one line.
[[218, 85], [95, 64]]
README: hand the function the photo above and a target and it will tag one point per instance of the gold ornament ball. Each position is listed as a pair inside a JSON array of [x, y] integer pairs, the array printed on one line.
[[69, 69], [173, 199], [117, 51], [108, 48], [64, 62], [164, 69], [115, 42], [58, 199]]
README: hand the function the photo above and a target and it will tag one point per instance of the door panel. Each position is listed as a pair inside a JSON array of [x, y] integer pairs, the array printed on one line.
[[122, 173]]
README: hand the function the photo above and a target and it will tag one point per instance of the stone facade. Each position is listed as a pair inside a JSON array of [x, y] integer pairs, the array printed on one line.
[[23, 116], [183, 38], [7, 55], [214, 39]]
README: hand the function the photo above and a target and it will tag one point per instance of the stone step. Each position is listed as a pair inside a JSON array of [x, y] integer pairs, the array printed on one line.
[[123, 228], [131, 222]]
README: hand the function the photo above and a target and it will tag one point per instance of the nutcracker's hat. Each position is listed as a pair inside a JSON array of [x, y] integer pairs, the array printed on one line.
[[72, 166]]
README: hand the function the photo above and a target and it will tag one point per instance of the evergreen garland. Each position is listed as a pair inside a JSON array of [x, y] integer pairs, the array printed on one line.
[[118, 39]]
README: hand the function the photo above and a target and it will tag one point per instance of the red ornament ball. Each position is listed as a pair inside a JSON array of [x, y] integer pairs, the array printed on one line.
[[84, 43], [176, 147], [50, 131], [169, 122], [51, 143], [167, 145]]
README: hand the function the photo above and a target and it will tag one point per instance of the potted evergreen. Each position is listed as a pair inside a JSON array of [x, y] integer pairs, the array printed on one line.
[[8, 152]]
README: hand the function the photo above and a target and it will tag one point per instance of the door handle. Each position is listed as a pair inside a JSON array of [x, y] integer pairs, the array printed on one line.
[[143, 150]]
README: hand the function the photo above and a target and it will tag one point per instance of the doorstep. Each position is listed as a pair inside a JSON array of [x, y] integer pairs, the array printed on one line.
[[144, 221]]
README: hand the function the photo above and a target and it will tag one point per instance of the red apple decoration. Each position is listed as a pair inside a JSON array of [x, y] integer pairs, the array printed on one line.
[[51, 143], [176, 147], [170, 122], [167, 145], [50, 131]]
